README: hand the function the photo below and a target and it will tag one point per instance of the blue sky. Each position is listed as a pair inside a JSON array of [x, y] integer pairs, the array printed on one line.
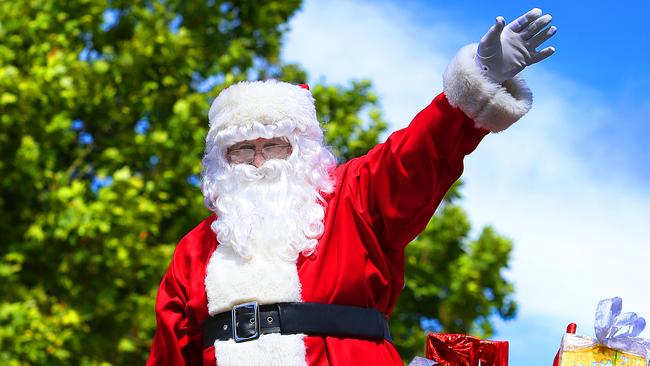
[[569, 183]]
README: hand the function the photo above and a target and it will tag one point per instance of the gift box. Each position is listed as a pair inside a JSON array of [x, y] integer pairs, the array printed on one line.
[[578, 351], [464, 350], [616, 342]]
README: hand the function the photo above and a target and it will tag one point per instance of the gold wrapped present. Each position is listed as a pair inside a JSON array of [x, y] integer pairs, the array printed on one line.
[[586, 351], [616, 343]]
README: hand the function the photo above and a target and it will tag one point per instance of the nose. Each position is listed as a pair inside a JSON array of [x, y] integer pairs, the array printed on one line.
[[258, 160]]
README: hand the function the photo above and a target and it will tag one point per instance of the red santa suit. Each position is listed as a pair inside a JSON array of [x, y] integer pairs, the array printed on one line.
[[381, 202]]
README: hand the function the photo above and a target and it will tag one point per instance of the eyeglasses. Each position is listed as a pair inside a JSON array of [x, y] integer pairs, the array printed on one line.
[[245, 154]]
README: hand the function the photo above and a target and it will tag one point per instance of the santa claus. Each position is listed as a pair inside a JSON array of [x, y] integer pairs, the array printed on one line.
[[303, 261]]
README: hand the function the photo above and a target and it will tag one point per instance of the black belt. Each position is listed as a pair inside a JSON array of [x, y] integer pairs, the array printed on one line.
[[247, 321]]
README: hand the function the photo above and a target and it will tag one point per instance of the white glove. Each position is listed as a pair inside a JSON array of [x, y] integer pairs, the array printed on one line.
[[506, 50]]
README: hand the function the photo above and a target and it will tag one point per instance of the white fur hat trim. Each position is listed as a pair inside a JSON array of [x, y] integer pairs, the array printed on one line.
[[263, 102]]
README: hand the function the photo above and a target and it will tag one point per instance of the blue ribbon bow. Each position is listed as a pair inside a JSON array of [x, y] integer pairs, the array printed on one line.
[[620, 331]]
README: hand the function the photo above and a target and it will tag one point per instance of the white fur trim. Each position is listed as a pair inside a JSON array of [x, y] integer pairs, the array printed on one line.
[[268, 350], [231, 279], [491, 105], [266, 102], [265, 278]]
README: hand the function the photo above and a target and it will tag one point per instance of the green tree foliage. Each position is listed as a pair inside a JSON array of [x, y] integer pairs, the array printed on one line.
[[103, 110]]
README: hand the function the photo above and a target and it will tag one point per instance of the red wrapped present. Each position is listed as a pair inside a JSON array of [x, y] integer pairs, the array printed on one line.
[[464, 350]]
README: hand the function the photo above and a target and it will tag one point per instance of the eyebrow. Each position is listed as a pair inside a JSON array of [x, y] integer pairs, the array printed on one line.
[[250, 145], [273, 143], [244, 146]]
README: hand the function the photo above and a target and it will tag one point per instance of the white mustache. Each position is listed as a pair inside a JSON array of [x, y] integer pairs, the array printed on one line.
[[270, 171]]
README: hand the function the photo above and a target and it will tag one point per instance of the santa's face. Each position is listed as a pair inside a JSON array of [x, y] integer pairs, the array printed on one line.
[[266, 198]]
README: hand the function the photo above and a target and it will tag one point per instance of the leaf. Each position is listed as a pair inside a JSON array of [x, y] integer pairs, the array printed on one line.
[[8, 98]]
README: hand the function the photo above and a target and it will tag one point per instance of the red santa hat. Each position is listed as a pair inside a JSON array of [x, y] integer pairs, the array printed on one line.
[[270, 105]]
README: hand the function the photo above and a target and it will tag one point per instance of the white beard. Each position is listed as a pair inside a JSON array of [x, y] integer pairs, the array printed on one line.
[[265, 218]]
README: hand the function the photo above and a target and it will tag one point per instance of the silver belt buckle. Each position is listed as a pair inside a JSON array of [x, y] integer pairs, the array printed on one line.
[[248, 305]]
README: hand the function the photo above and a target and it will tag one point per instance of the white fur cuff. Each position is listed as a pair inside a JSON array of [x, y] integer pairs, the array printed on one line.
[[490, 105]]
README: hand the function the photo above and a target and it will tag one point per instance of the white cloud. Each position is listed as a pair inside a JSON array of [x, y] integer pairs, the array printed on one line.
[[579, 236]]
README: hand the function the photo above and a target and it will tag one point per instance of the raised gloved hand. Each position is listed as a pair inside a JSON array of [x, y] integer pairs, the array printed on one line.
[[506, 50]]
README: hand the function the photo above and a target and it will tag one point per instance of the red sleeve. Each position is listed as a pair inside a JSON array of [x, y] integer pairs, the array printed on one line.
[[400, 183], [176, 341]]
